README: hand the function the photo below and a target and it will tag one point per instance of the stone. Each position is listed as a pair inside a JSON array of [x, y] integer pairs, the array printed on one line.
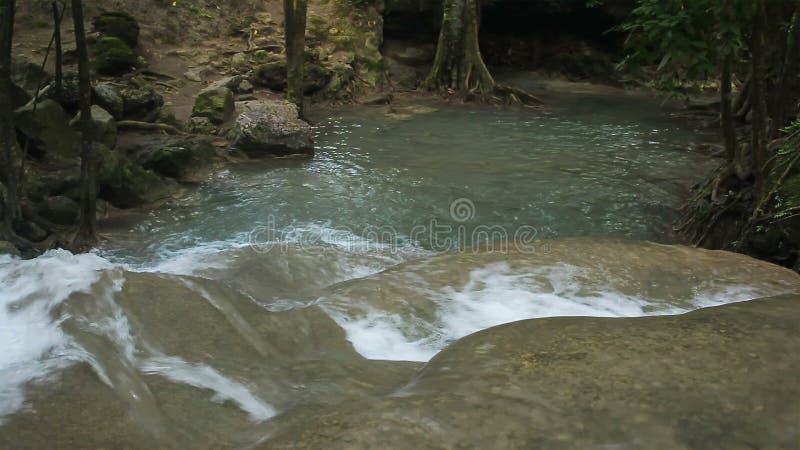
[[193, 75], [215, 103], [59, 209], [402, 74], [118, 24], [140, 101], [173, 156], [7, 248], [245, 87], [103, 125], [231, 83], [201, 125], [126, 184], [376, 99], [271, 75], [19, 97], [315, 77], [108, 97], [31, 231], [720, 377], [412, 54], [113, 57], [240, 61], [271, 128], [46, 125], [29, 76]]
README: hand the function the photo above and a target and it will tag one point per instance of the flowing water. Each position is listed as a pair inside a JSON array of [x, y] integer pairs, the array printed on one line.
[[283, 284]]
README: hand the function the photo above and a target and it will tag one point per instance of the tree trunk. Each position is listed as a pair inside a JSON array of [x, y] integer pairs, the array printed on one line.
[[87, 225], [758, 100], [8, 141], [59, 77], [787, 83], [458, 65], [728, 130], [295, 30]]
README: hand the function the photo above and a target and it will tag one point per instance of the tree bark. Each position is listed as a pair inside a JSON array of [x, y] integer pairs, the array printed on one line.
[[758, 100], [728, 130], [458, 65], [87, 222], [785, 86], [59, 77], [295, 13], [8, 141]]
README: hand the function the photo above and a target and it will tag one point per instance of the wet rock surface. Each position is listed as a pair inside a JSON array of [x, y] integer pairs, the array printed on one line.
[[722, 377]]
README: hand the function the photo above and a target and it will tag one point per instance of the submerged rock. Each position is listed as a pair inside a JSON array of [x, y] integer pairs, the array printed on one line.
[[271, 128], [216, 103]]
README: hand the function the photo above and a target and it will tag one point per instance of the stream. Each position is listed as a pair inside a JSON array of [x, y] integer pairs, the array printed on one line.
[[281, 286]]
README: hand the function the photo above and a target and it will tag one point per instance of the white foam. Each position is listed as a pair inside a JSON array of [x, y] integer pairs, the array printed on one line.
[[496, 294], [33, 345], [205, 377]]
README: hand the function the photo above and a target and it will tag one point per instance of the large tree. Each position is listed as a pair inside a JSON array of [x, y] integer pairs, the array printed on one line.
[[87, 224], [295, 13], [8, 143], [458, 65]]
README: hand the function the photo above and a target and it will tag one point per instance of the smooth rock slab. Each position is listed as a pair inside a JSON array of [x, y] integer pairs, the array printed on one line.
[[721, 377]]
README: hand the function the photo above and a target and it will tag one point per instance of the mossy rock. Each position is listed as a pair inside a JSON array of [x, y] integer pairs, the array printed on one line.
[[118, 24], [59, 209], [126, 184], [103, 127], [174, 156], [47, 126], [215, 103], [112, 56], [7, 248], [140, 101], [271, 75]]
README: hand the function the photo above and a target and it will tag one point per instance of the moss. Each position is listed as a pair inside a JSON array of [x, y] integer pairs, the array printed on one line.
[[113, 57], [124, 183], [120, 25]]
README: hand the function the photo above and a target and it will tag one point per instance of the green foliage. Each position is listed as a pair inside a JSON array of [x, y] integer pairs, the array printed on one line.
[[684, 40]]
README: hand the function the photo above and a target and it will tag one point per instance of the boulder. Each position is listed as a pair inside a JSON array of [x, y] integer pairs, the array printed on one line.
[[108, 97], [409, 53], [201, 125], [59, 209], [103, 125], [315, 77], [237, 83], [7, 248], [125, 184], [27, 75], [402, 74], [69, 96], [173, 156], [46, 125], [271, 128], [271, 75], [19, 97], [31, 231], [113, 57], [216, 103], [120, 25], [140, 101]]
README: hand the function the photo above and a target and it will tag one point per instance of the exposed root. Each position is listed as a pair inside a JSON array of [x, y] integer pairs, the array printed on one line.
[[149, 126]]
